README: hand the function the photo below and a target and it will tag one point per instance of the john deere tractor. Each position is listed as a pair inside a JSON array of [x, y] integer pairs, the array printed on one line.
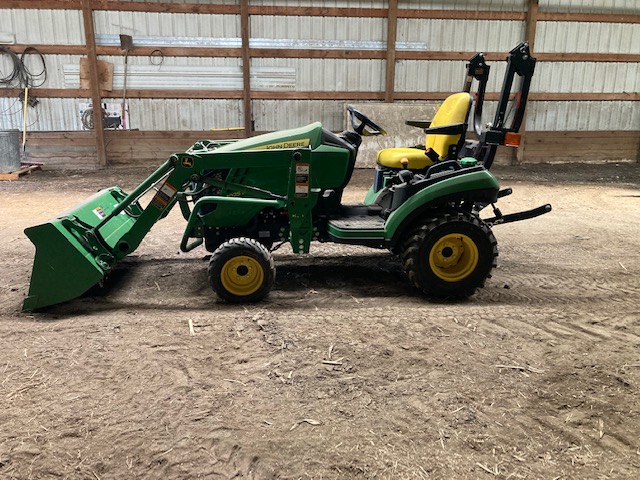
[[243, 198]]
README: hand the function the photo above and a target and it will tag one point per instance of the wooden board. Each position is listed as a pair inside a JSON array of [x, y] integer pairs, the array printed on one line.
[[105, 74], [19, 173], [76, 150]]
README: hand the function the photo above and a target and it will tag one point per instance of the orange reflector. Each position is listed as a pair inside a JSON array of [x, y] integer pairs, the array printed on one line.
[[512, 139], [404, 162]]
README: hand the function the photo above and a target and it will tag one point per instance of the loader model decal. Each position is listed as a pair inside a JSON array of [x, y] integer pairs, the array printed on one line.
[[302, 143]]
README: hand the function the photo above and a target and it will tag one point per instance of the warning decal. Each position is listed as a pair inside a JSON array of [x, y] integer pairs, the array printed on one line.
[[302, 180], [164, 196], [99, 212]]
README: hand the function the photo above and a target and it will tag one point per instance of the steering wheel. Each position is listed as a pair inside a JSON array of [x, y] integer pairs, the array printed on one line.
[[366, 127]]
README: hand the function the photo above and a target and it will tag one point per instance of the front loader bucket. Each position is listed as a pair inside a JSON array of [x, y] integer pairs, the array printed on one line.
[[72, 255]]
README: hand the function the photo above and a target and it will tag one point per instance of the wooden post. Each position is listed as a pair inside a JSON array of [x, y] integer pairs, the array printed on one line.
[[530, 36], [246, 67], [532, 22], [392, 27], [96, 101]]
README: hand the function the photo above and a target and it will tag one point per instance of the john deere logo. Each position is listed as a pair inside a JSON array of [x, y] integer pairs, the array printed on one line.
[[187, 162]]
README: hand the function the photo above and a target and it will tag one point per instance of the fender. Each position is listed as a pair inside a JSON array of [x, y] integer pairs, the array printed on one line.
[[475, 185]]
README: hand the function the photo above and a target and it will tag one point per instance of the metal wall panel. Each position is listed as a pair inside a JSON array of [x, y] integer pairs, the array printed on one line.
[[592, 37], [166, 24], [440, 76], [181, 114], [319, 28], [279, 114], [144, 114], [65, 27], [44, 26], [462, 35], [50, 114], [585, 116], [586, 77], [313, 74]]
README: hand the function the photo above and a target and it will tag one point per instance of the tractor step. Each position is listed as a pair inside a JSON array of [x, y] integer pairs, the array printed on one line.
[[365, 230], [359, 222]]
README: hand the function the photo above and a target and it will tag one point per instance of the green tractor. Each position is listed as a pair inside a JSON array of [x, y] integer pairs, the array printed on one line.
[[243, 198]]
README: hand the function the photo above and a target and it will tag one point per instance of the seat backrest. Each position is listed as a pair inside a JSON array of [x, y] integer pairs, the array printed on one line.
[[455, 109]]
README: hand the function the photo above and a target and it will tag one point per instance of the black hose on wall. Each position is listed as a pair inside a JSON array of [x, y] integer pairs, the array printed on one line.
[[20, 75]]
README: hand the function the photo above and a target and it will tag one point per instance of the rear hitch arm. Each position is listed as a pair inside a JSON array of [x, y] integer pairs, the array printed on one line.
[[516, 217]]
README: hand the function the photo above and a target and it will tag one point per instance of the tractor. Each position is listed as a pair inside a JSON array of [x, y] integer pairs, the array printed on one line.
[[243, 198]]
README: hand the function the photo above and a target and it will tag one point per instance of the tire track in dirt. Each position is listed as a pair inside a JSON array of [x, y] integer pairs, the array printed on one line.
[[531, 288], [587, 437]]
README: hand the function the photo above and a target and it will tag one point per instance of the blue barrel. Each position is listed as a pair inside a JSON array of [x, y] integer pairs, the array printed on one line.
[[9, 151]]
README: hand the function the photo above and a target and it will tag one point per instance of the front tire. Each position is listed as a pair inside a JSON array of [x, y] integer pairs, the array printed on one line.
[[241, 270], [450, 256]]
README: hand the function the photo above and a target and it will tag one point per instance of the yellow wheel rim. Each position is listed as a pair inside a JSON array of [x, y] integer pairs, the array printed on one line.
[[242, 276], [453, 257]]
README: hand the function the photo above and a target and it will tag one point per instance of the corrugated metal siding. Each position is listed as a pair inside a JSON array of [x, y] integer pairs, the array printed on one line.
[[180, 114], [586, 77], [588, 37], [65, 27], [44, 26], [50, 114], [319, 28], [144, 114], [279, 114], [331, 75], [462, 35], [585, 116], [440, 76], [167, 24]]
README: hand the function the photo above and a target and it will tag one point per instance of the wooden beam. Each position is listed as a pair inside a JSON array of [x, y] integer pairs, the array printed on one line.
[[96, 101], [307, 95], [588, 17], [246, 67], [270, 95], [588, 57], [428, 14], [530, 37], [317, 53], [531, 24], [392, 27], [302, 95], [131, 93], [167, 7], [284, 11], [114, 5]]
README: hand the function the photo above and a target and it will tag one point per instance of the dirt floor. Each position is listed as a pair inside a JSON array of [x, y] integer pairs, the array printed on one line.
[[345, 371]]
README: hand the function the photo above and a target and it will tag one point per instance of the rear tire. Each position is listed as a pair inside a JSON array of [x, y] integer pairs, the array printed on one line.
[[241, 270], [450, 256]]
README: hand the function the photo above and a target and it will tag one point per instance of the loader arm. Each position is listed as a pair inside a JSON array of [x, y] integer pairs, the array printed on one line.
[[77, 249]]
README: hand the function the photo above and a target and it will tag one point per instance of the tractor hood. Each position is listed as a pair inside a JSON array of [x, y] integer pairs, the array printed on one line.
[[308, 136]]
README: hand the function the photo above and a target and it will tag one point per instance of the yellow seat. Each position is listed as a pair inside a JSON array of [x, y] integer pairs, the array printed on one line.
[[454, 110]]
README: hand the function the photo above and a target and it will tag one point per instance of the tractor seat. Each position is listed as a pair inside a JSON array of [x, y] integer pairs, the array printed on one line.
[[453, 111]]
